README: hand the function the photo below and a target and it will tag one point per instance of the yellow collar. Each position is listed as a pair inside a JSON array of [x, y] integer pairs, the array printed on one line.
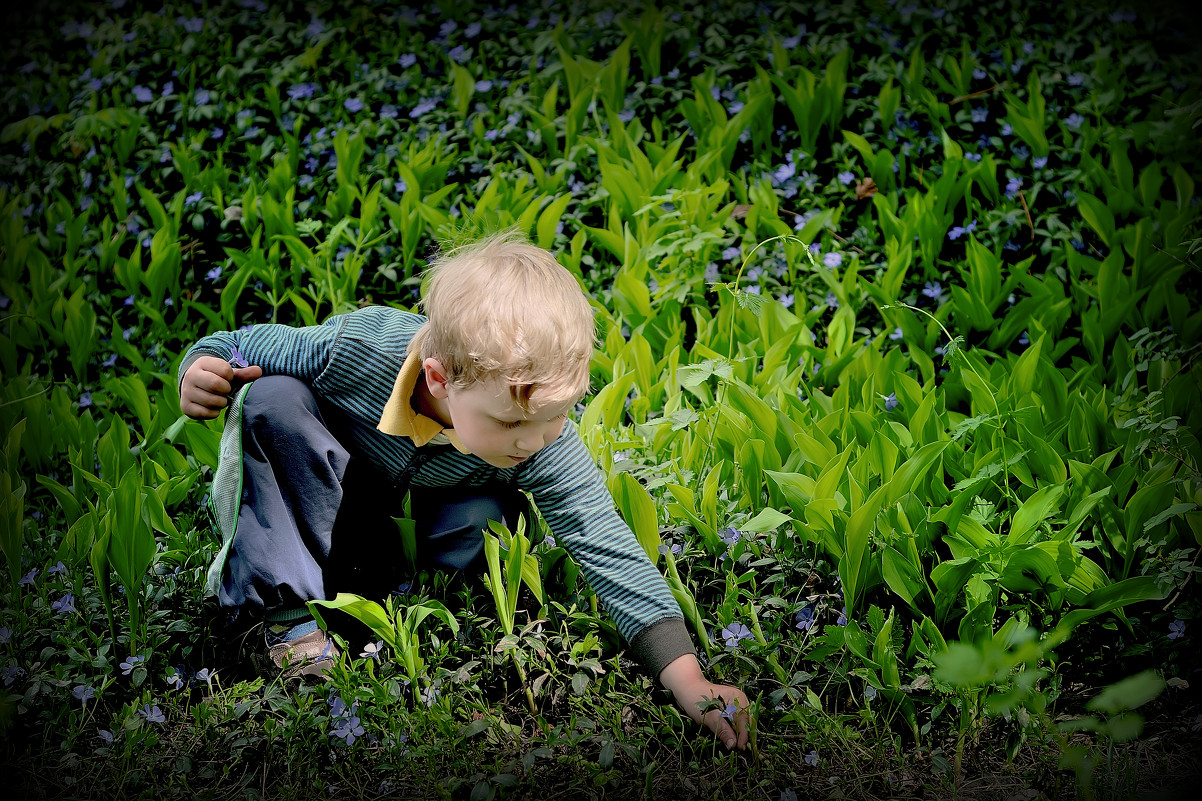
[[401, 419]]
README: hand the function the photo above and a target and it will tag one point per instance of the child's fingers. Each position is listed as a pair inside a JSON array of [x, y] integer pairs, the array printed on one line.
[[248, 373]]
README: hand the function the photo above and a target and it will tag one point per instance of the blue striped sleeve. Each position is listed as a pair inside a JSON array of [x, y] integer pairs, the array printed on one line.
[[279, 349], [570, 492]]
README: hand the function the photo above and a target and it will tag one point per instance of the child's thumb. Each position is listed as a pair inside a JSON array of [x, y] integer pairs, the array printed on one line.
[[248, 373]]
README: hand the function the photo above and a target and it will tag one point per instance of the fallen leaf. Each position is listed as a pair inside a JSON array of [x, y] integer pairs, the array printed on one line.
[[740, 211], [865, 188], [1178, 683]]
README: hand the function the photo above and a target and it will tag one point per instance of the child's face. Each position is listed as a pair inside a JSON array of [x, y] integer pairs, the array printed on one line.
[[496, 429]]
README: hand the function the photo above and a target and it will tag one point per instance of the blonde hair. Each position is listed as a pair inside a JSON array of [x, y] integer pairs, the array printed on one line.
[[502, 308]]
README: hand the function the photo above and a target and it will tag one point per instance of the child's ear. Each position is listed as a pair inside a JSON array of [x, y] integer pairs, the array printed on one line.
[[436, 378]]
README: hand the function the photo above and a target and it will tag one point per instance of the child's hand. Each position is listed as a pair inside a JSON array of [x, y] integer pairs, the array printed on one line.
[[693, 691], [207, 384]]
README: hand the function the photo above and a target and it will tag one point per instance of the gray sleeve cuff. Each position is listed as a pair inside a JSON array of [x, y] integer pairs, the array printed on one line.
[[658, 645]]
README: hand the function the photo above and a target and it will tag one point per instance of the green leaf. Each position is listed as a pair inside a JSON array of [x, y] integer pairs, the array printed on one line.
[[767, 520], [1033, 512], [1130, 693]]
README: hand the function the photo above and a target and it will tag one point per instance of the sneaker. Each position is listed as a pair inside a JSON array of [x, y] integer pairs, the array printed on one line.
[[307, 658]]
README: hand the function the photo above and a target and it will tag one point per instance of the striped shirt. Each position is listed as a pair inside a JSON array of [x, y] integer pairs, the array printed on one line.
[[352, 361]]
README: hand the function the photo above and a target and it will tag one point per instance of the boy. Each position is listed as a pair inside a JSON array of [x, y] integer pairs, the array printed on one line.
[[463, 409]]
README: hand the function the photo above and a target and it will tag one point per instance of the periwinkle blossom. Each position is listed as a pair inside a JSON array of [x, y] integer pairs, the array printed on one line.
[[786, 300], [1013, 185], [676, 549], [711, 273], [168, 88], [299, 91], [213, 274], [891, 401], [447, 28], [625, 115], [59, 569], [423, 106], [143, 94], [201, 97], [980, 114], [842, 621], [979, 74], [933, 290], [958, 231], [753, 289], [1176, 629], [152, 714], [735, 633], [812, 758], [804, 619], [1074, 121], [458, 54], [192, 24], [870, 692], [372, 650], [472, 30], [846, 177], [728, 713], [831, 301], [83, 693], [64, 605], [316, 28], [176, 680], [131, 663], [407, 60], [832, 260], [352, 104], [896, 334], [1075, 79], [388, 112], [29, 579]]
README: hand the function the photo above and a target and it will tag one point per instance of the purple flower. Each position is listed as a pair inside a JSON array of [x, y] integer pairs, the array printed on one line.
[[106, 735], [316, 28], [472, 30], [812, 758], [214, 273], [59, 569], [870, 692], [447, 28], [64, 605], [388, 112], [786, 300], [152, 714], [846, 177], [804, 619], [168, 88], [353, 104], [1074, 121], [458, 54], [491, 134], [1039, 162], [958, 231], [731, 253], [194, 198], [299, 91], [143, 94], [890, 401], [193, 25], [728, 713], [1075, 79], [425, 105], [175, 680], [130, 663], [980, 114], [783, 173], [979, 74], [83, 693], [675, 549], [1007, 129], [407, 60], [711, 273], [5, 635], [625, 115], [896, 334], [842, 621], [372, 650], [832, 302], [201, 97], [1176, 629], [735, 633], [237, 359], [1013, 185], [730, 535], [347, 729], [832, 260], [933, 290], [216, 133], [11, 673]]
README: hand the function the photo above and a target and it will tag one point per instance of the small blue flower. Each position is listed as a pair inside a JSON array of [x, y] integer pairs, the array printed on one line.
[[980, 114], [83, 693], [201, 97], [728, 713], [804, 619], [214, 274], [979, 74], [388, 112], [1039, 162], [192, 25], [5, 635], [216, 132], [168, 88], [812, 758], [846, 177], [483, 86], [130, 663], [143, 94], [458, 54], [831, 301], [711, 273], [353, 104], [1176, 629], [832, 260], [447, 28], [1074, 121], [731, 253], [59, 569], [472, 30], [933, 290], [786, 300], [1075, 79], [299, 91], [870, 692], [316, 28], [64, 605], [407, 60], [625, 115], [425, 105], [735, 633], [896, 334], [891, 401], [194, 198], [152, 714], [1013, 185], [175, 680], [842, 621]]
